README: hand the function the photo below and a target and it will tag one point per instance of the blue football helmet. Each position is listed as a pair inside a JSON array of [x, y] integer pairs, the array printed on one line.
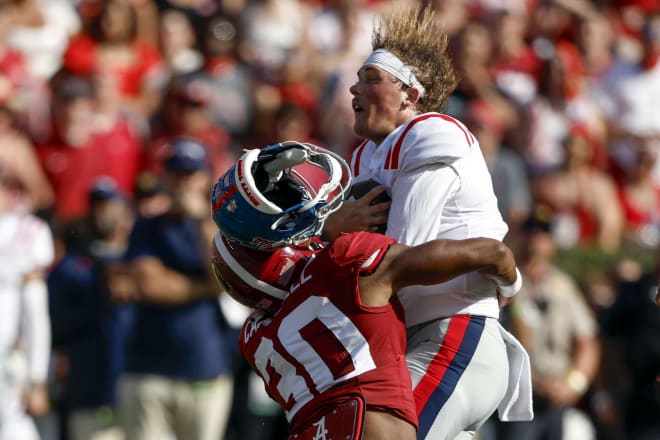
[[279, 195]]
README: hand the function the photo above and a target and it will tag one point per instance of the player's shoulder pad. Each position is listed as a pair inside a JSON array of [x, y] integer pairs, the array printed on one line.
[[435, 138], [362, 249]]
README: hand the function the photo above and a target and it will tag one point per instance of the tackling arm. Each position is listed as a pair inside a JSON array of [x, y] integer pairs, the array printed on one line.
[[435, 262], [441, 260]]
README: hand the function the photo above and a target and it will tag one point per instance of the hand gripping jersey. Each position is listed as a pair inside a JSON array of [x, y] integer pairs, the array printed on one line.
[[323, 345], [433, 169]]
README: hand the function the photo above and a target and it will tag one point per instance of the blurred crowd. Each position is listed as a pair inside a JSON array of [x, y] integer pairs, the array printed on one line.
[[117, 115]]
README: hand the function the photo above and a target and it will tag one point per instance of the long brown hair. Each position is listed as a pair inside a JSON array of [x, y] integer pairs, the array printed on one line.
[[414, 37]]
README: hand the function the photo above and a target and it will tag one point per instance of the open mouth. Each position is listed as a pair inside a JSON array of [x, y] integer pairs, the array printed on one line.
[[356, 107]]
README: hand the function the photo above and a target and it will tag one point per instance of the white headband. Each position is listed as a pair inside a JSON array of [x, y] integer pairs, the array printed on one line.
[[390, 63]]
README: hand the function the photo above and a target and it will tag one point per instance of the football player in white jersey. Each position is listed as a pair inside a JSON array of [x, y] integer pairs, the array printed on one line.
[[463, 364], [26, 250]]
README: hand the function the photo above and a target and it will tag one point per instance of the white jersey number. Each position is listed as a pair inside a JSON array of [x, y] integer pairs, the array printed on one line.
[[324, 341]]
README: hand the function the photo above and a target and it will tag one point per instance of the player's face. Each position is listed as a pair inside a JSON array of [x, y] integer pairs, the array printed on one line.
[[378, 103], [189, 192]]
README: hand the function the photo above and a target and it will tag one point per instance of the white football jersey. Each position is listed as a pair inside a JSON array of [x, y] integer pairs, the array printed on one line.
[[26, 244], [433, 169]]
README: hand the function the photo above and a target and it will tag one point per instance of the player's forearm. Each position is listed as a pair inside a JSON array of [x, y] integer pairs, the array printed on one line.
[[160, 285], [441, 260], [587, 357], [499, 262], [177, 290]]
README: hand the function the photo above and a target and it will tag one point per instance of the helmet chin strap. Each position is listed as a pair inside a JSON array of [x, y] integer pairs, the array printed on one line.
[[285, 159]]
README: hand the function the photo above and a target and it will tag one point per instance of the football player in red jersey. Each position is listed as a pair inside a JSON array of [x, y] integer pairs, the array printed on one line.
[[328, 336]]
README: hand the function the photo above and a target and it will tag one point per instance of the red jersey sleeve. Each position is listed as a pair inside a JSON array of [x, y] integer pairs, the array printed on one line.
[[363, 249]]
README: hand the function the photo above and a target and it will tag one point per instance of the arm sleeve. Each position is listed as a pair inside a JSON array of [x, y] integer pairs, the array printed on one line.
[[42, 247], [362, 249], [36, 327], [34, 305]]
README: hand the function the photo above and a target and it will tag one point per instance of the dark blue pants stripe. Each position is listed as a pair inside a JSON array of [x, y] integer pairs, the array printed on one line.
[[452, 374]]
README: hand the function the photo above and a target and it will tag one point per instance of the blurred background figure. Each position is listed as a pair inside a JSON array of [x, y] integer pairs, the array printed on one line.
[[91, 292], [17, 152], [639, 194], [26, 249], [178, 377], [582, 196], [632, 330], [562, 102], [273, 30], [86, 143], [292, 121], [43, 33], [232, 77], [187, 111], [507, 168], [109, 45], [21, 89], [150, 198], [340, 35], [179, 43], [556, 326], [638, 94]]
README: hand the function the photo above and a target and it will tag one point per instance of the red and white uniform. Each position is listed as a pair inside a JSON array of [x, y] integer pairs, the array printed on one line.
[[323, 344], [433, 169], [26, 245], [463, 364]]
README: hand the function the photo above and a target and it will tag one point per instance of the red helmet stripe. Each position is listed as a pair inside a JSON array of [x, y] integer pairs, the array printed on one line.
[[227, 194]]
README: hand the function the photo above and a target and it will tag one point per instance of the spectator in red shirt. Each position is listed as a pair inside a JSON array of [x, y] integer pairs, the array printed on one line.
[[110, 46], [187, 112], [83, 147]]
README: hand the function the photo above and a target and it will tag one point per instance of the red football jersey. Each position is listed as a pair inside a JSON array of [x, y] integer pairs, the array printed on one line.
[[324, 344]]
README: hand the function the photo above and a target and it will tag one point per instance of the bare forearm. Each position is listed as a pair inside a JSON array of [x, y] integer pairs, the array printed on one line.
[[441, 260], [160, 285], [587, 357], [177, 292]]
